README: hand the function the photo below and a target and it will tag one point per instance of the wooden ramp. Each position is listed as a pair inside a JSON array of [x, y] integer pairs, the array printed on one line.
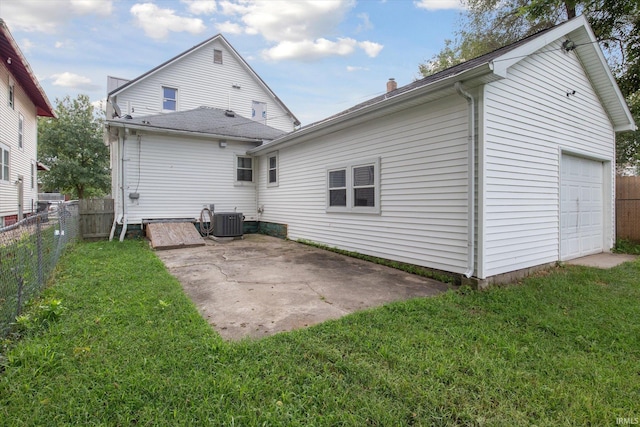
[[173, 235]]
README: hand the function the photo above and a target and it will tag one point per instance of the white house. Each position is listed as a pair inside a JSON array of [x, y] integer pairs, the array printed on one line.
[[22, 100], [173, 148], [495, 166], [487, 170]]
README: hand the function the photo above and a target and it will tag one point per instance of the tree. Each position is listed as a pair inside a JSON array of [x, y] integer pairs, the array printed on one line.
[[73, 148], [491, 24]]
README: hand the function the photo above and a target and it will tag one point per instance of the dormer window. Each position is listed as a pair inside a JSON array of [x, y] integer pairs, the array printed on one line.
[[169, 99], [217, 56]]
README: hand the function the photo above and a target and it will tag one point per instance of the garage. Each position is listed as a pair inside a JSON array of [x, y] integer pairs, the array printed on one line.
[[582, 207]]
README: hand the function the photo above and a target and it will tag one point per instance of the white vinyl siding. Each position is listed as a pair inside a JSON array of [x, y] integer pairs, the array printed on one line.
[[528, 119], [175, 179], [201, 82], [423, 187], [19, 159]]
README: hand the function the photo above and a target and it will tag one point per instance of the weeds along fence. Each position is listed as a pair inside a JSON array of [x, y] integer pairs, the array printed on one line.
[[29, 251]]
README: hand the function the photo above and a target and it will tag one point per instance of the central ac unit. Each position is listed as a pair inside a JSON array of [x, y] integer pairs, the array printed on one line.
[[227, 224]]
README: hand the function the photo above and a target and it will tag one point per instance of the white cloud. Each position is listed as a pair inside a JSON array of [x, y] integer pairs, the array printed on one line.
[[48, 16], [71, 80], [351, 68], [26, 45], [229, 27], [157, 22], [371, 49], [200, 7], [301, 30], [311, 50], [58, 45], [366, 23], [97, 7], [439, 4]]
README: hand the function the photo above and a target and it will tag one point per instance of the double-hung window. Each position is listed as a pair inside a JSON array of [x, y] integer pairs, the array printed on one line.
[[244, 169], [11, 95], [354, 187], [217, 56], [169, 99], [20, 130], [272, 170], [4, 163]]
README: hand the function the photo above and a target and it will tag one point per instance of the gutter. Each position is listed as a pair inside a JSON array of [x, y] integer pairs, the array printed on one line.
[[166, 131], [471, 180]]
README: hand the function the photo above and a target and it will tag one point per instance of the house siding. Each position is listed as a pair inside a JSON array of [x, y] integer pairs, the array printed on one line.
[[423, 187], [528, 120], [21, 159], [175, 178], [201, 82]]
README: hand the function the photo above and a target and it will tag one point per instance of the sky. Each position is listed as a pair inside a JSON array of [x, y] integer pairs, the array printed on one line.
[[318, 56]]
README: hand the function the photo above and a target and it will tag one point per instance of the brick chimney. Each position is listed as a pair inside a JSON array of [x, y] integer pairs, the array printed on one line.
[[392, 85]]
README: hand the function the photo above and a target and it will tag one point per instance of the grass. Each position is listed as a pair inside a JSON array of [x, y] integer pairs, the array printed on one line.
[[127, 347]]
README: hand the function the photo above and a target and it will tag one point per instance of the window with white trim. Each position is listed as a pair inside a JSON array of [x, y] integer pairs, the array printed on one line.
[[354, 187], [272, 170], [11, 95], [4, 163], [169, 99], [244, 169], [33, 174], [217, 56], [20, 130]]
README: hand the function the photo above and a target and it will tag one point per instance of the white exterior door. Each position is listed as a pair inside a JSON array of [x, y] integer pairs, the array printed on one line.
[[582, 207]]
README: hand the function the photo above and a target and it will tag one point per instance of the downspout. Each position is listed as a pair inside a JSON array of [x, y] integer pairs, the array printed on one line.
[[472, 187], [117, 218], [124, 213]]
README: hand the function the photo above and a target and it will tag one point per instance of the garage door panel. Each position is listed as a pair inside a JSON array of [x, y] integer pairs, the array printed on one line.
[[582, 207]]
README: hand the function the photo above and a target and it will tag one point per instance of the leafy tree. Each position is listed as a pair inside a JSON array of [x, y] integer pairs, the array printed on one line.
[[491, 24], [73, 148]]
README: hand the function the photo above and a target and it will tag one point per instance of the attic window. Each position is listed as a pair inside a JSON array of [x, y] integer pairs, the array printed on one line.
[[169, 99], [217, 56]]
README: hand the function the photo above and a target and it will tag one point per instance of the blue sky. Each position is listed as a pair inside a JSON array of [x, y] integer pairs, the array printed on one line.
[[318, 56]]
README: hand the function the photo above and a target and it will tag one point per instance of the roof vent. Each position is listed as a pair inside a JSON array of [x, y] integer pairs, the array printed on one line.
[[229, 113]]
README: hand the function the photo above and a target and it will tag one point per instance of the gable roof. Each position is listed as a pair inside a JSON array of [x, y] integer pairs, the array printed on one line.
[[490, 67], [235, 53], [18, 66], [203, 121]]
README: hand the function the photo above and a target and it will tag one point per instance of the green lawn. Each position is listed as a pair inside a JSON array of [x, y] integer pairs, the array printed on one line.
[[115, 341]]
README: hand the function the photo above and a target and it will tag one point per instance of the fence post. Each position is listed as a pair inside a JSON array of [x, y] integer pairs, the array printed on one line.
[[39, 249], [20, 286]]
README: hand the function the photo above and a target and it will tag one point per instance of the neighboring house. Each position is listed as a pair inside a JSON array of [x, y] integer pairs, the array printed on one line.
[[488, 170], [22, 100]]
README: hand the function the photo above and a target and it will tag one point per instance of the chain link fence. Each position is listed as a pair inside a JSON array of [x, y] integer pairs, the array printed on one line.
[[29, 251]]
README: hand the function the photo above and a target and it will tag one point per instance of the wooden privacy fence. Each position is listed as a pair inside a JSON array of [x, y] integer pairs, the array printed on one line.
[[96, 218], [628, 208]]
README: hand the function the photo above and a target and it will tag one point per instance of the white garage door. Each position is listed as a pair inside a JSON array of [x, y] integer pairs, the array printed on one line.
[[582, 208]]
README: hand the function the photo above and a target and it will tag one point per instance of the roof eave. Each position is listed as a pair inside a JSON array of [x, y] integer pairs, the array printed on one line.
[[31, 85], [180, 132], [447, 82]]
